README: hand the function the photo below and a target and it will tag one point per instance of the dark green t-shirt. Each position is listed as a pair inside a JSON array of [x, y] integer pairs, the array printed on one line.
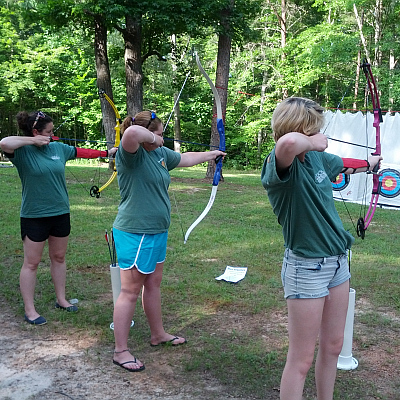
[[303, 202], [143, 179], [42, 174]]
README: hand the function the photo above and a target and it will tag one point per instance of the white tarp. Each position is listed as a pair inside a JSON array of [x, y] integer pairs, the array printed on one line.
[[357, 128]]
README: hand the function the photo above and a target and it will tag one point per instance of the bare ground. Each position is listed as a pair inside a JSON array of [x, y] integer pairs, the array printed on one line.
[[36, 364]]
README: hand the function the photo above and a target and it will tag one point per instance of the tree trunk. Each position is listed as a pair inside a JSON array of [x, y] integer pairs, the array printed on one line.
[[104, 78], [357, 83], [283, 38], [177, 124], [392, 65], [133, 65], [176, 111], [360, 22], [221, 81], [260, 136], [378, 33]]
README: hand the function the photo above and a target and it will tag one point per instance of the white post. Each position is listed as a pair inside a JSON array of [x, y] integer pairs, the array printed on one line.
[[115, 281], [116, 287], [346, 360]]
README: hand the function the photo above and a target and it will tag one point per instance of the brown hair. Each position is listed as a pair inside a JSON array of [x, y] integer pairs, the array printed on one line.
[[297, 114], [147, 119], [35, 120]]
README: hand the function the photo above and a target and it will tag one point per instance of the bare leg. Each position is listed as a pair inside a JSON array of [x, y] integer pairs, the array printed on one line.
[[131, 283], [305, 317], [58, 267], [331, 340], [151, 299], [27, 279]]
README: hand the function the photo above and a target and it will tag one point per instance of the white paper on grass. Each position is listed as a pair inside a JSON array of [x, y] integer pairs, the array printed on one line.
[[233, 274]]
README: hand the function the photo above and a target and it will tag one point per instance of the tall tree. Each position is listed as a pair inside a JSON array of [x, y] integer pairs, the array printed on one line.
[[132, 34], [86, 14], [221, 80], [104, 77]]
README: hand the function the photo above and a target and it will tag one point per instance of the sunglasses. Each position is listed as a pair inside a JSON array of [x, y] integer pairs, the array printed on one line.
[[153, 116], [39, 114]]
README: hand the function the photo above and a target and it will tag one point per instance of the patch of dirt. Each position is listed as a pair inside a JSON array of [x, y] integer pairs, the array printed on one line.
[[37, 364], [377, 348]]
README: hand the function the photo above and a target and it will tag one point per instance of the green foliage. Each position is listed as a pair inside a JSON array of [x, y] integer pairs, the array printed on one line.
[[48, 71], [320, 56]]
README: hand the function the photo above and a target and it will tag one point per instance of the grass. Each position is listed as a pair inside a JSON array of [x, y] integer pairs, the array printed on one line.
[[237, 332]]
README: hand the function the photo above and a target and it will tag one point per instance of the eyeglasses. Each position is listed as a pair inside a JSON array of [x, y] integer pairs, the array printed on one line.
[[39, 114], [153, 116]]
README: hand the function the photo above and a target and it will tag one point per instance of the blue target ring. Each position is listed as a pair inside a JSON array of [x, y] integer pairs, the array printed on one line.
[[390, 183], [341, 182]]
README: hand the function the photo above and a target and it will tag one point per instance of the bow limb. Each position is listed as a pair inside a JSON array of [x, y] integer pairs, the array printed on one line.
[[363, 223], [95, 191], [218, 167]]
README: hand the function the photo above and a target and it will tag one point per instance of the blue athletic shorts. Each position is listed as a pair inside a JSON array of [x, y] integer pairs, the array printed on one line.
[[141, 251], [311, 278]]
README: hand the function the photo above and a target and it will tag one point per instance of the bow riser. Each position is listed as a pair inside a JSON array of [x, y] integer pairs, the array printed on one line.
[[218, 167], [363, 224]]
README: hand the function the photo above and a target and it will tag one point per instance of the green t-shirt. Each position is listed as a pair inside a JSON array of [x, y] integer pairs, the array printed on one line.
[[42, 174], [303, 202], [143, 179]]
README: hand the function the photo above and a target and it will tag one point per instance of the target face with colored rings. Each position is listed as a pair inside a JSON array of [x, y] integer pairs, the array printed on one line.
[[390, 183], [341, 182]]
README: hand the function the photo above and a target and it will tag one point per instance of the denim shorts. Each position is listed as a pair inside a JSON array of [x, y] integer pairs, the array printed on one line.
[[141, 251], [311, 278]]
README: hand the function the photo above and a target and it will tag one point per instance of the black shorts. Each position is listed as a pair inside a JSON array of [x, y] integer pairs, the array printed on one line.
[[39, 229]]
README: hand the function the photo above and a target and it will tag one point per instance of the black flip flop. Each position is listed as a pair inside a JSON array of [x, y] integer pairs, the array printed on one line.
[[169, 342], [129, 369]]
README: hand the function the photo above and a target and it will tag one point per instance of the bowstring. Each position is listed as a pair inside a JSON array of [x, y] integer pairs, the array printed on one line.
[[77, 180], [68, 167], [364, 205], [340, 190], [97, 173], [165, 128], [178, 213]]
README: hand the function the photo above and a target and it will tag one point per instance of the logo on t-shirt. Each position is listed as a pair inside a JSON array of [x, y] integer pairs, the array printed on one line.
[[55, 157], [320, 176], [162, 162]]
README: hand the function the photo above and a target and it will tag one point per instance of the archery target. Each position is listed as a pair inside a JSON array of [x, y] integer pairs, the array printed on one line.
[[390, 183], [341, 182]]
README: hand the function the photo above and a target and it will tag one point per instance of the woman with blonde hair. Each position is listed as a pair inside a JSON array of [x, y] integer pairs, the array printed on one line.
[[297, 175]]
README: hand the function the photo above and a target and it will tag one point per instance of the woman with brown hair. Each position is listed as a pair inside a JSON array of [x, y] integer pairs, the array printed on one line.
[[141, 227]]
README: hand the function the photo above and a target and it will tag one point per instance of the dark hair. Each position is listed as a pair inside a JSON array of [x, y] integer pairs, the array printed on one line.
[[35, 120]]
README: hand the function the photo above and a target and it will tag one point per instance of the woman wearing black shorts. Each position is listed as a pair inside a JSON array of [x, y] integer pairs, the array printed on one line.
[[45, 205]]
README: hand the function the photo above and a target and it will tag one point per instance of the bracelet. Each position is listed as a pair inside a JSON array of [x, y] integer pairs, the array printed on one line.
[[154, 138], [119, 352]]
